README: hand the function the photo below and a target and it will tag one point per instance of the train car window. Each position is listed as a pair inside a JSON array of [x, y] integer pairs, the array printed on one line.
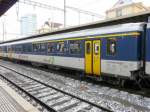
[[1, 49], [111, 47], [8, 48], [13, 48], [36, 47], [60, 47], [50, 47], [75, 47], [29, 49], [24, 48], [88, 49], [5, 49], [43, 47], [18, 48]]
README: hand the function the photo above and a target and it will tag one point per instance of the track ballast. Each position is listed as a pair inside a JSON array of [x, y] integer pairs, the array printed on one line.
[[49, 97], [101, 96]]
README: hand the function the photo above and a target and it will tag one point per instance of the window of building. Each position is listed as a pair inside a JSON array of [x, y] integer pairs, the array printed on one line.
[[119, 12], [75, 47], [60, 47], [50, 47], [111, 47]]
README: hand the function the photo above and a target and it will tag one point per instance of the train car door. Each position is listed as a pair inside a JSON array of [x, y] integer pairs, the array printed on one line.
[[92, 57], [88, 57], [96, 57], [9, 52]]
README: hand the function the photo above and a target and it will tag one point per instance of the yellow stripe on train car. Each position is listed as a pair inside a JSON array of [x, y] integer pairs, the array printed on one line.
[[84, 38]]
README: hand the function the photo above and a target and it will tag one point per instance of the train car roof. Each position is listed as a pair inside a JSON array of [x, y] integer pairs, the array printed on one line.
[[89, 33], [139, 17]]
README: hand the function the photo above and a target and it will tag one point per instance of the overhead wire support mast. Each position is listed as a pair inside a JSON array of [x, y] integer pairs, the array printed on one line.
[[64, 13]]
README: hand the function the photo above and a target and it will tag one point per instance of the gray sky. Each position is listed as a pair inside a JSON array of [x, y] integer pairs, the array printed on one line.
[[12, 24]]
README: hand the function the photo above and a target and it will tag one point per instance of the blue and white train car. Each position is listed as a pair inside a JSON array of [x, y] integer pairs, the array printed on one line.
[[112, 50]]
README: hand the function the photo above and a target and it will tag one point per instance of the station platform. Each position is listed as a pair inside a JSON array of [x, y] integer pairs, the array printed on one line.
[[10, 101]]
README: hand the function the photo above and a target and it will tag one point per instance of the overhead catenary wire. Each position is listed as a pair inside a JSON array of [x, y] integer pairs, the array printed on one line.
[[41, 5]]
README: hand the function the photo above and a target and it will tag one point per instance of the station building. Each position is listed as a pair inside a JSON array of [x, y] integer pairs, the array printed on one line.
[[125, 7]]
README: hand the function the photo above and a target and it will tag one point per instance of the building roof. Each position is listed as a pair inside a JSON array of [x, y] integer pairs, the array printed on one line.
[[5, 5], [122, 3]]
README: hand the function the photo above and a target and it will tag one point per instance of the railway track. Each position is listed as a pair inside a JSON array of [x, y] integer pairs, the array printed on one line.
[[105, 97], [51, 98]]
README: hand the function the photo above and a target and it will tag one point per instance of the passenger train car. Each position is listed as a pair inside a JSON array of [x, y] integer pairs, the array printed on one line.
[[110, 51]]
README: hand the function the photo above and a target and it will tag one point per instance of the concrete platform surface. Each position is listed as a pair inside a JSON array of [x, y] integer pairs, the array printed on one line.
[[10, 101]]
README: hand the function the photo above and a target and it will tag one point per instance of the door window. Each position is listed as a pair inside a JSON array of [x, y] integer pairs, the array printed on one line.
[[96, 48], [88, 49]]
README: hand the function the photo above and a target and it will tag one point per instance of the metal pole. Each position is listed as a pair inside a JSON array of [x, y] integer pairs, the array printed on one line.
[[3, 26], [3, 31], [64, 13], [79, 17]]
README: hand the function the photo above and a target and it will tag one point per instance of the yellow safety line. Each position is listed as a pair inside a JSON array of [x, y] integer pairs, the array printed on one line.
[[84, 38]]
